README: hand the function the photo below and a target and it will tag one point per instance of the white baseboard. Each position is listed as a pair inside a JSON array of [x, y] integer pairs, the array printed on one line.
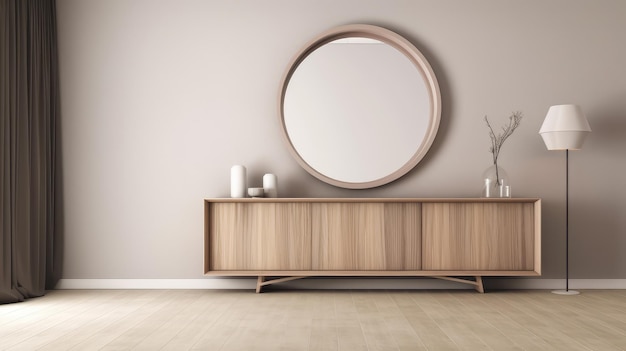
[[339, 283]]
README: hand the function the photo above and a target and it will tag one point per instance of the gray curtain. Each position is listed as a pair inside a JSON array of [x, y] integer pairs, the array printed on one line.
[[29, 108]]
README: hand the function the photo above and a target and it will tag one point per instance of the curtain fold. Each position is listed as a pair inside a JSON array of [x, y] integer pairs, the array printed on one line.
[[29, 108]]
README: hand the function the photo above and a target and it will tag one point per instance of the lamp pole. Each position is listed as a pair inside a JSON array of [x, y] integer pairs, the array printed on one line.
[[566, 220], [567, 291]]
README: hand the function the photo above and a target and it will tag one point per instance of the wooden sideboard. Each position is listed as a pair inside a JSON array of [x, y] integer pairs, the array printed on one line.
[[454, 239]]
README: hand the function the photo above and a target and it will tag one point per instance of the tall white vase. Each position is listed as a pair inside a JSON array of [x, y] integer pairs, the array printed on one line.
[[270, 185], [238, 181]]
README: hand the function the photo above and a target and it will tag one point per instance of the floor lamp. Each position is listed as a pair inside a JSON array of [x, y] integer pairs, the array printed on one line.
[[565, 128]]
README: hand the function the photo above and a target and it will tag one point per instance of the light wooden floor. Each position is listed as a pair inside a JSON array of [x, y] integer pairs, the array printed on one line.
[[315, 320]]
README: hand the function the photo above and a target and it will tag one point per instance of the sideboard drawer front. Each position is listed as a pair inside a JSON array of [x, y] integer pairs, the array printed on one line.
[[260, 236], [366, 236], [478, 236]]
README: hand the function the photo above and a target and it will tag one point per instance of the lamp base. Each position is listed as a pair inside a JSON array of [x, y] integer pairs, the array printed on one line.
[[565, 292]]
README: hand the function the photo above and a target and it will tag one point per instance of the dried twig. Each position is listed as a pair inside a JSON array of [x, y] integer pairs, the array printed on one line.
[[498, 140]]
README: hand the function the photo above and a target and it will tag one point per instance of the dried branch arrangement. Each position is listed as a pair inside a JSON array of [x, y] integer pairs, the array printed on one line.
[[497, 140]]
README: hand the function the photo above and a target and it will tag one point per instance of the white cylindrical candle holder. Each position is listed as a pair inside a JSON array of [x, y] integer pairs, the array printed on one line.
[[270, 185], [238, 181], [487, 188], [506, 191]]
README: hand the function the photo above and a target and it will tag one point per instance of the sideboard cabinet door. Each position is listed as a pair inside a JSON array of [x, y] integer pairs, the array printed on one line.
[[478, 236], [260, 236], [366, 236]]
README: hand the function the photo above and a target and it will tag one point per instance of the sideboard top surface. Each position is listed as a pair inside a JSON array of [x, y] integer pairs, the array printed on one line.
[[371, 200]]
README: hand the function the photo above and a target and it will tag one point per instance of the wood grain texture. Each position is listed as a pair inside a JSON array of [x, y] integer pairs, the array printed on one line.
[[537, 237], [366, 236], [344, 236], [272, 236], [373, 237], [478, 236], [403, 236]]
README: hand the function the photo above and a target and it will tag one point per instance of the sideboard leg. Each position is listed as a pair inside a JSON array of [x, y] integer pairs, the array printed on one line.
[[259, 283], [263, 281], [479, 284]]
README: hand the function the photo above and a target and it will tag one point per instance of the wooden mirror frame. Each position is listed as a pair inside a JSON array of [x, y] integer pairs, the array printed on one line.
[[402, 45]]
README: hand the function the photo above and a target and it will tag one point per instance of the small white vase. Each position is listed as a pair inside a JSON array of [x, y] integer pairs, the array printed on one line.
[[270, 185]]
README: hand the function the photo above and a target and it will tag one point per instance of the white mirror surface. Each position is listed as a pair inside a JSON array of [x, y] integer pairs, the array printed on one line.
[[357, 112]]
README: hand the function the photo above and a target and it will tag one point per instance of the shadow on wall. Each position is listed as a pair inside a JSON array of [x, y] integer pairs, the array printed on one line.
[[609, 128], [447, 98], [597, 223], [595, 247]]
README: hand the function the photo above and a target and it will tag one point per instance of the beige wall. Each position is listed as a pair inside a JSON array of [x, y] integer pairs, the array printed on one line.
[[161, 98]]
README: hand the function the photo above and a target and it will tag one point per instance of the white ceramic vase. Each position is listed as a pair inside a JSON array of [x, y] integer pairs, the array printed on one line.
[[238, 182]]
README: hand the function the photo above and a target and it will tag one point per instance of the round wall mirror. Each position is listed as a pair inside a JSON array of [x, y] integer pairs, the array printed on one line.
[[359, 106]]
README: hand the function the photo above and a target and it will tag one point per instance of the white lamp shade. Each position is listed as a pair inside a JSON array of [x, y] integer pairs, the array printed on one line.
[[565, 128]]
